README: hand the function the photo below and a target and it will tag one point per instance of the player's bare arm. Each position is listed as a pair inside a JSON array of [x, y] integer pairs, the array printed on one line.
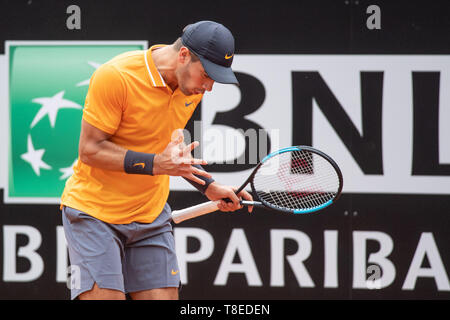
[[97, 150]]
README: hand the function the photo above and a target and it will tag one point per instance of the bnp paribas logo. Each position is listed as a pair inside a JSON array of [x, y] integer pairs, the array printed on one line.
[[48, 82]]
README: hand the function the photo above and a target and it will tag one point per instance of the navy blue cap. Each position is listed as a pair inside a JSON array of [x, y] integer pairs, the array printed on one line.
[[213, 43]]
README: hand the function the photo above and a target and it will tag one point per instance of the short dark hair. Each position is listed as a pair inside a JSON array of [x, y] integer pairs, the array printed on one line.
[[177, 46]]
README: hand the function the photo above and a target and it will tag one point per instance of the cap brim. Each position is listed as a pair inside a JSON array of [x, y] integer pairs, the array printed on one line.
[[218, 73]]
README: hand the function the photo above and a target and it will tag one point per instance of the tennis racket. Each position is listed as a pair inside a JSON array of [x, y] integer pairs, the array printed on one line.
[[297, 180]]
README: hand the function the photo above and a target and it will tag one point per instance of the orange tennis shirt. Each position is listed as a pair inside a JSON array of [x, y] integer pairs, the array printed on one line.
[[128, 99]]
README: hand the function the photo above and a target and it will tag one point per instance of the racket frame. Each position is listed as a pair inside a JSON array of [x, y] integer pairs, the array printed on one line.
[[295, 211]]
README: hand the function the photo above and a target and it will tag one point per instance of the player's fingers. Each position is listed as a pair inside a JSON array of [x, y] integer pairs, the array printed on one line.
[[190, 176], [193, 161], [233, 206], [201, 173], [180, 150], [247, 196], [244, 194], [236, 202], [228, 206], [177, 134], [222, 205], [188, 149], [175, 142]]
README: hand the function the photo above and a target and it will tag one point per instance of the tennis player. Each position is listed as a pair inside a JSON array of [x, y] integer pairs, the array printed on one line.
[[114, 207]]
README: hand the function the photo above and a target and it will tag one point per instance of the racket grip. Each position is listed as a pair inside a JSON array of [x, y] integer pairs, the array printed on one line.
[[194, 211]]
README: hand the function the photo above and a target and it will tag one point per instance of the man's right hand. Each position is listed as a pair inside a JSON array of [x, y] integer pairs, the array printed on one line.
[[177, 160]]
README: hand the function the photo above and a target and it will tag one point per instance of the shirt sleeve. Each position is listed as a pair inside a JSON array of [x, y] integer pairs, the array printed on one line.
[[105, 100]]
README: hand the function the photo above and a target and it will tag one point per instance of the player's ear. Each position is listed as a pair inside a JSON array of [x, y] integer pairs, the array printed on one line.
[[183, 55]]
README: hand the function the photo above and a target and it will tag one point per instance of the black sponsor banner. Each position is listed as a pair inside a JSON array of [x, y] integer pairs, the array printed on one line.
[[281, 27], [364, 247]]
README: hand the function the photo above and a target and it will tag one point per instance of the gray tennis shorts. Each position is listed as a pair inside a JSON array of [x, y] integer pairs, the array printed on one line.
[[126, 257]]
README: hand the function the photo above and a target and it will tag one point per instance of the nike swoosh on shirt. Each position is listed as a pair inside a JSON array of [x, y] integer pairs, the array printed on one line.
[[186, 104]]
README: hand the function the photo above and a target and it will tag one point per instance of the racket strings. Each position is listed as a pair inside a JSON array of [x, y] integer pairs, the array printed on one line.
[[296, 180]]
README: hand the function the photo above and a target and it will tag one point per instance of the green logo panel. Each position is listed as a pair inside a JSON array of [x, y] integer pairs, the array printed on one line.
[[48, 83]]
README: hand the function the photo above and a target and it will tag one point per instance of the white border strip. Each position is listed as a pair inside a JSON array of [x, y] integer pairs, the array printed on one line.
[[148, 68], [162, 80], [8, 44]]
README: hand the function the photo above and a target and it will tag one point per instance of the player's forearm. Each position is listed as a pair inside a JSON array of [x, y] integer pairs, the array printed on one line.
[[105, 154]]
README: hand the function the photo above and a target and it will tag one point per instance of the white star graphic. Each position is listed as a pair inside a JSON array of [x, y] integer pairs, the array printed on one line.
[[95, 65], [67, 172], [34, 157], [51, 106]]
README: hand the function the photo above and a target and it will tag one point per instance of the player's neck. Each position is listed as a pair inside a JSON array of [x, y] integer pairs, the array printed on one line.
[[165, 61]]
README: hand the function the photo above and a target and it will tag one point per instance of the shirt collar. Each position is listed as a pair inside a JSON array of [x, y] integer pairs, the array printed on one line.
[[155, 77]]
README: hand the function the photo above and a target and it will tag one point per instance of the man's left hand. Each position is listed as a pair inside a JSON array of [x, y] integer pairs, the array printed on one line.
[[216, 191]]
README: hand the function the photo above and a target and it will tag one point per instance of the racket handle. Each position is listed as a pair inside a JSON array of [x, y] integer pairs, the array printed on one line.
[[252, 203], [195, 211]]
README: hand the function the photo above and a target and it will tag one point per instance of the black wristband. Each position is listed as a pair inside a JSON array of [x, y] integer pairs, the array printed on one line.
[[138, 162], [200, 187]]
